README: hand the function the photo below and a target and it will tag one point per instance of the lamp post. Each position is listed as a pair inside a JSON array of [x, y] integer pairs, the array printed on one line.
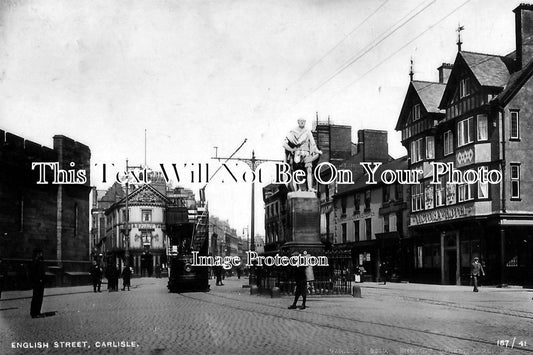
[[126, 222]]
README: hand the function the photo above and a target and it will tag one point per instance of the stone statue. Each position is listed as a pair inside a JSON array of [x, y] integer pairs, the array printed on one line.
[[301, 152]]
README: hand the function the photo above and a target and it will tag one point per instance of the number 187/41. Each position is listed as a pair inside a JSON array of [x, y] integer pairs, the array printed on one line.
[[511, 343]]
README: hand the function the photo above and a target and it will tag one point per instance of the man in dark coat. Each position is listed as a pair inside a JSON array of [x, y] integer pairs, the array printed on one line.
[[96, 274], [384, 269], [115, 273], [218, 274], [37, 281], [301, 285], [126, 277], [476, 270]]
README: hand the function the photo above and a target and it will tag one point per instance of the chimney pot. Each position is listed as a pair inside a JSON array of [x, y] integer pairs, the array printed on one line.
[[444, 72], [524, 34]]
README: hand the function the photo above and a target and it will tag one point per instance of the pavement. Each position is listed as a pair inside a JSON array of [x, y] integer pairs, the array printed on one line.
[[388, 319]]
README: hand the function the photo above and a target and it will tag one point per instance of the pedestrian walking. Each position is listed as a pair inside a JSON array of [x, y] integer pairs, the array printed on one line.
[[384, 272], [301, 285], [112, 278], [96, 275], [359, 272], [476, 270], [310, 279], [116, 276], [157, 271], [218, 273], [37, 280], [126, 278]]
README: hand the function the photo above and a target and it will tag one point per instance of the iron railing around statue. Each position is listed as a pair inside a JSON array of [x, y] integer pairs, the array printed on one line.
[[335, 279]]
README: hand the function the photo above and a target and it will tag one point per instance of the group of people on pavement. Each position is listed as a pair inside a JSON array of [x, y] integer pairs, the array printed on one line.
[[302, 275], [112, 275]]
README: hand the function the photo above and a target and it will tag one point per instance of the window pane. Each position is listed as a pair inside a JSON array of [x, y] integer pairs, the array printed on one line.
[[470, 123], [482, 128], [450, 194], [429, 196], [514, 125], [448, 142], [515, 190], [483, 190], [430, 147], [515, 181]]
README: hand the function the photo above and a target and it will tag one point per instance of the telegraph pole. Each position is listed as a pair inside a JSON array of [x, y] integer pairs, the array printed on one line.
[[252, 163]]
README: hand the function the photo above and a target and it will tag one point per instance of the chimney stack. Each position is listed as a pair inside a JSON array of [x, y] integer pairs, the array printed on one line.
[[373, 144], [444, 72], [524, 34]]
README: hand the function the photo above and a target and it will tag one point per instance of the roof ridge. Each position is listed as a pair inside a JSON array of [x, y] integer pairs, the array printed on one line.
[[488, 54], [428, 82]]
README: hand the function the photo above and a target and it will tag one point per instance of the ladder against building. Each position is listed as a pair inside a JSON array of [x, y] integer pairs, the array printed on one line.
[[201, 230]]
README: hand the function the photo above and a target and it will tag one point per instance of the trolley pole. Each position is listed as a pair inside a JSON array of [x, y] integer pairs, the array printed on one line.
[[252, 163]]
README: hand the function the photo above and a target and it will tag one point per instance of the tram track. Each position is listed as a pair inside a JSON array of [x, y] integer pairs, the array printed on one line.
[[351, 320], [509, 313]]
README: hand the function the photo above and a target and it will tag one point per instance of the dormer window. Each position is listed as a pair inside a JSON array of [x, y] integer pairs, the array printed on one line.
[[464, 87], [416, 112]]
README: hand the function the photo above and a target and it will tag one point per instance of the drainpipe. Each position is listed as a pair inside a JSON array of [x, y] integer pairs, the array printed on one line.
[[501, 115]]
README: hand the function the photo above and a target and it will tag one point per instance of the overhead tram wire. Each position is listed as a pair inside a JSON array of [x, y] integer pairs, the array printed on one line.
[[371, 47], [202, 190], [333, 48], [367, 49], [399, 24], [338, 44], [401, 48]]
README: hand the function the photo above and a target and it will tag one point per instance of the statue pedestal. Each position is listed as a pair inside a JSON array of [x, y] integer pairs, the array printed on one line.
[[304, 223]]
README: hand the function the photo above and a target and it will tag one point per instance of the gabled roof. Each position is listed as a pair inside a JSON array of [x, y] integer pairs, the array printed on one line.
[[516, 81], [113, 194], [146, 193], [429, 93], [488, 69]]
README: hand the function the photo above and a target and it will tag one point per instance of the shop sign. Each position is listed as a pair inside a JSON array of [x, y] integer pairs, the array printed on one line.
[[363, 215], [442, 214], [146, 225]]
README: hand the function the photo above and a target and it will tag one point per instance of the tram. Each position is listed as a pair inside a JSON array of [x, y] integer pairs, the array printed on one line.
[[187, 233]]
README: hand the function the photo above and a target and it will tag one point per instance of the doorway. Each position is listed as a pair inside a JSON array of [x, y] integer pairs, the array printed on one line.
[[450, 267]]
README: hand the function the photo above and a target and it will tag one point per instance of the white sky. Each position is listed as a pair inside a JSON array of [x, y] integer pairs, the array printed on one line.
[[199, 74]]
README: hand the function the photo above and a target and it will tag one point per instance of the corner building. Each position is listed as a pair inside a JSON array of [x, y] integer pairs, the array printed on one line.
[[479, 115]]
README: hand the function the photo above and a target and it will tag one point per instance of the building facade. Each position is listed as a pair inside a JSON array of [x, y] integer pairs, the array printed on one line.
[[140, 233], [339, 151], [371, 224], [478, 120], [53, 217], [276, 218]]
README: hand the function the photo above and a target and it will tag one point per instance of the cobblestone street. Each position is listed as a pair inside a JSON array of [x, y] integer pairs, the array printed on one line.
[[392, 318]]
